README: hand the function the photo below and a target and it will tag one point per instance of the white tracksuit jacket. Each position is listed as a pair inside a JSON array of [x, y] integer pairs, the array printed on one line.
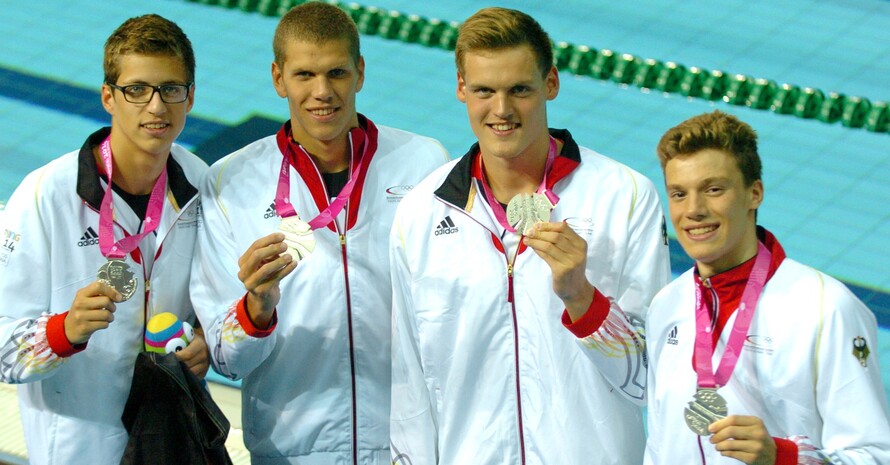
[[316, 388], [71, 402], [484, 372], [797, 371]]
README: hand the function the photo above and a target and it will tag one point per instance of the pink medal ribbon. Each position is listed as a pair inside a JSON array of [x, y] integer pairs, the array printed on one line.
[[117, 250], [704, 349], [285, 209], [707, 406], [496, 207]]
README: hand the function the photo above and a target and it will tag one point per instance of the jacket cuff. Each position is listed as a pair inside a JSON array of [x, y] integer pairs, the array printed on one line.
[[57, 340], [786, 452], [247, 324], [592, 319]]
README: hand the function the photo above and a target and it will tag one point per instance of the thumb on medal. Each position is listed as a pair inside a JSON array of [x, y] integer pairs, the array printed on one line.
[[110, 292], [533, 230]]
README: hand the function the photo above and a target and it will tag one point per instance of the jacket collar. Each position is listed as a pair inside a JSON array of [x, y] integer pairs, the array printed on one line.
[[90, 189], [730, 284], [458, 188], [738, 276]]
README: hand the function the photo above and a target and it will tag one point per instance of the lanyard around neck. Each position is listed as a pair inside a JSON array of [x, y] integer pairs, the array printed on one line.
[[285, 208], [704, 346], [115, 250]]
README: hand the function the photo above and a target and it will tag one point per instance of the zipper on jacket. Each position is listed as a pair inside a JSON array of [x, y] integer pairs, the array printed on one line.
[[510, 283], [348, 300], [714, 311], [715, 308], [511, 300], [146, 313], [351, 349], [145, 305]]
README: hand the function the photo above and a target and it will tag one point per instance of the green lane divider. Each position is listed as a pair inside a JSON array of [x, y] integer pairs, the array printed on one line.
[[621, 68]]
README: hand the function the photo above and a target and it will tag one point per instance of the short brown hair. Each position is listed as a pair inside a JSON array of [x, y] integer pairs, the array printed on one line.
[[316, 22], [147, 35], [500, 28], [716, 130]]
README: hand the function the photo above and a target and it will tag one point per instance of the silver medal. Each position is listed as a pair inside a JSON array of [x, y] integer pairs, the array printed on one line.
[[705, 408], [117, 274], [298, 236], [525, 210]]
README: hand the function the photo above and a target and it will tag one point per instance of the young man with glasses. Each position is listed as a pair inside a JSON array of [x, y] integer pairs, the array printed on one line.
[[522, 273], [291, 279], [753, 357], [83, 238]]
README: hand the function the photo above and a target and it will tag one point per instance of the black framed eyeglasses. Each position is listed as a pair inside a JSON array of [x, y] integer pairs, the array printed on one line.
[[143, 93]]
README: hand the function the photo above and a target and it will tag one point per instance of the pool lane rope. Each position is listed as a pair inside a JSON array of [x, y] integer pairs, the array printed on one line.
[[624, 69]]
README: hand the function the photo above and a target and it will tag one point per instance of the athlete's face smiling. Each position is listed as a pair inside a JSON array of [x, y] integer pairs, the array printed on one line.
[[146, 128], [506, 96], [320, 82], [712, 210]]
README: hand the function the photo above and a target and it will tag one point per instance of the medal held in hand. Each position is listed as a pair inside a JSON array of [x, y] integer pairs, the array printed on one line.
[[705, 408], [524, 210], [298, 236], [117, 274]]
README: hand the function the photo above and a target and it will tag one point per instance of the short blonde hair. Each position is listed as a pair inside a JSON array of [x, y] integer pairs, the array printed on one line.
[[719, 131], [500, 28], [316, 22]]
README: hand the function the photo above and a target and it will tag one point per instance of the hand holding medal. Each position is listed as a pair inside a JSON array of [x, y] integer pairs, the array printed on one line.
[[556, 243], [261, 268], [92, 310], [268, 260], [744, 438], [565, 252]]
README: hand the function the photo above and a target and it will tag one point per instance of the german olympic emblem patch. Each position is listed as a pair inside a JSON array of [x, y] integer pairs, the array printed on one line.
[[860, 350]]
